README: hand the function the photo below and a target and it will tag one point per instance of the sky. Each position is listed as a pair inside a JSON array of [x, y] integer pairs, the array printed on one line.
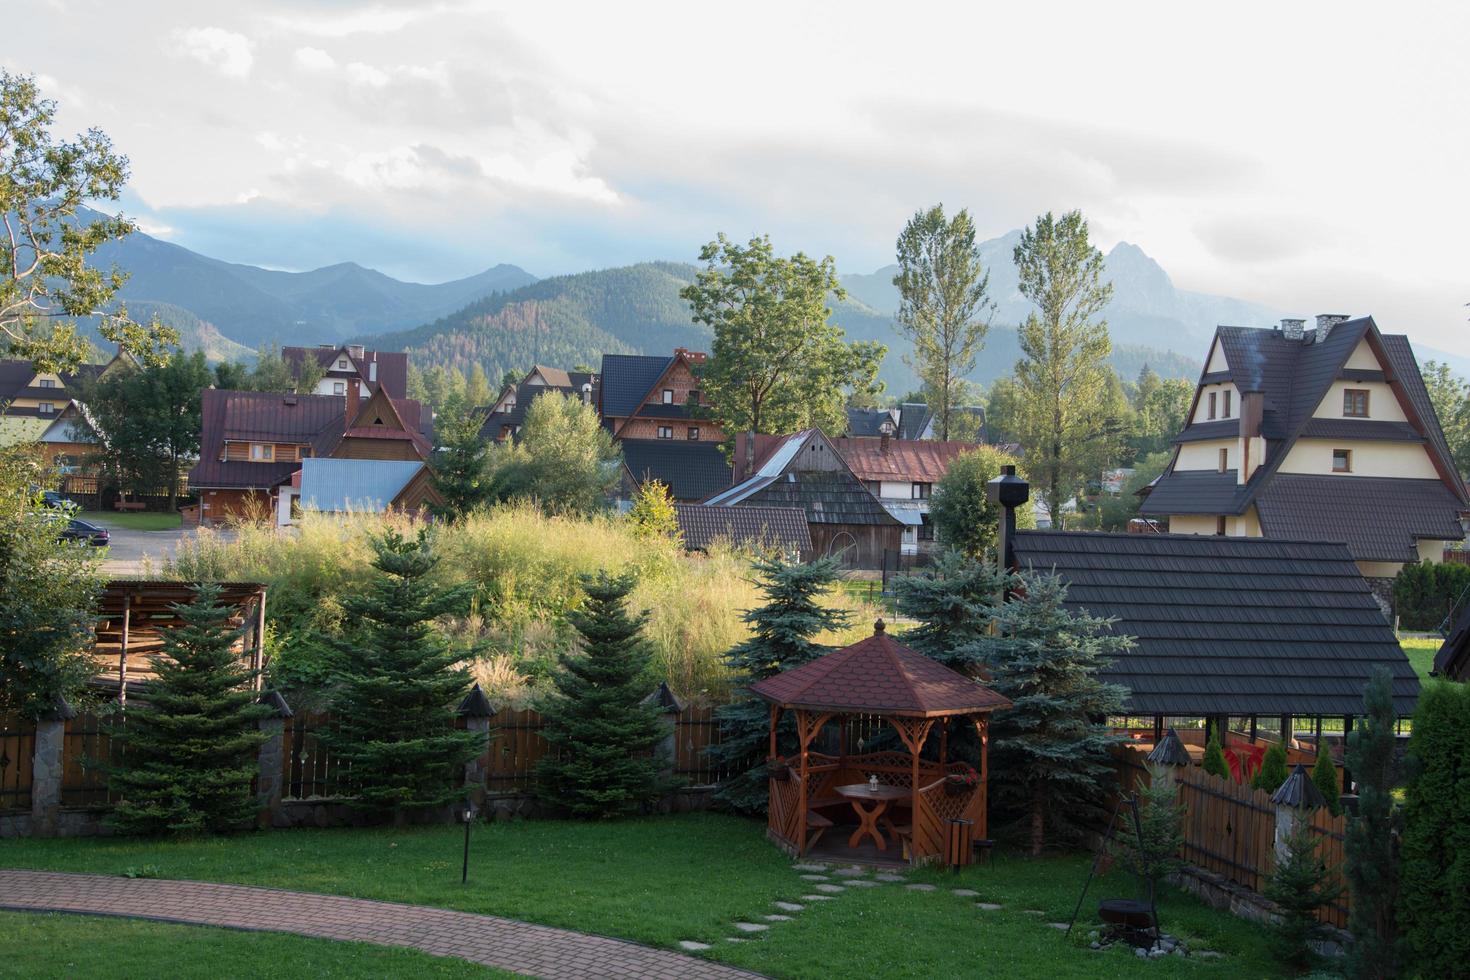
[[1310, 157]]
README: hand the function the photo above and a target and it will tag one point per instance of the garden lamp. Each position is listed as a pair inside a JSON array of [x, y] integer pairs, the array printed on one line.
[[468, 813]]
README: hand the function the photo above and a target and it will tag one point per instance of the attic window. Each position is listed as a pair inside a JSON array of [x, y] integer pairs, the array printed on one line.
[[46, 383], [378, 421], [666, 432], [668, 396], [1227, 403], [694, 433], [1342, 460], [1213, 398], [46, 408], [1355, 403], [342, 364], [262, 452]]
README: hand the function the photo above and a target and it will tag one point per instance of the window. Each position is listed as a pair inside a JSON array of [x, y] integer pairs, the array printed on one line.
[[1220, 526], [1355, 403], [920, 491], [1224, 460], [342, 364], [926, 530], [46, 383], [262, 452], [666, 432], [693, 398], [46, 408], [668, 396], [339, 387], [694, 433], [1342, 460], [1213, 396], [303, 452], [1228, 393]]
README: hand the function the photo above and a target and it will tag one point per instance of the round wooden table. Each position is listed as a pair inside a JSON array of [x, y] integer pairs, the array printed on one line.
[[860, 793]]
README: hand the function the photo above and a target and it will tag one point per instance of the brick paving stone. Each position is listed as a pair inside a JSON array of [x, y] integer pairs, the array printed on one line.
[[522, 947]]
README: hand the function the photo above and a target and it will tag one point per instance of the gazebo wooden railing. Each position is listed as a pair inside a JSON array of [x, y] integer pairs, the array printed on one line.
[[918, 697]]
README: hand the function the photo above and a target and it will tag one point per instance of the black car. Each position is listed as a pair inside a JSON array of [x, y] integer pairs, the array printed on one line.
[[86, 531]]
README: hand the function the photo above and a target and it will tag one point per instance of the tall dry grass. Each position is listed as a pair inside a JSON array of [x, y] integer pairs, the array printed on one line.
[[526, 567]]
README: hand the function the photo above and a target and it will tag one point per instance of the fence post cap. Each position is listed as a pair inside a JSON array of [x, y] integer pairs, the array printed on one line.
[[1299, 792], [1170, 751], [273, 700], [475, 705], [664, 699]]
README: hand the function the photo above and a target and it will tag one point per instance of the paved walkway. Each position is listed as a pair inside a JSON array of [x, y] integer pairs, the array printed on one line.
[[540, 951]]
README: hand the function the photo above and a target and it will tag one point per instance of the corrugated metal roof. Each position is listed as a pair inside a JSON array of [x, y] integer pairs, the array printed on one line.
[[364, 485], [1225, 625], [915, 461]]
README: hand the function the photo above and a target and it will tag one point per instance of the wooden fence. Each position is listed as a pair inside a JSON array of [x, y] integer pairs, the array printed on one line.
[[308, 769], [85, 744], [1331, 838], [17, 753]]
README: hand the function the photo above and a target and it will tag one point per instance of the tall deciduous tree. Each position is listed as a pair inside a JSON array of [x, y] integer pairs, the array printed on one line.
[[784, 635], [1372, 865], [1049, 752], [1063, 375], [943, 307], [398, 682], [1159, 408], [189, 747], [596, 719], [148, 420], [1450, 395], [777, 364], [963, 516], [564, 459], [45, 280], [48, 594]]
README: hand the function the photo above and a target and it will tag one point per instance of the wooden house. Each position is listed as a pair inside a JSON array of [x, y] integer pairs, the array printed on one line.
[[341, 363]]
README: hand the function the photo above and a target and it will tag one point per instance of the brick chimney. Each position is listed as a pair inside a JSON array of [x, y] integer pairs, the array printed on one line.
[[1293, 329], [354, 400], [1325, 323]]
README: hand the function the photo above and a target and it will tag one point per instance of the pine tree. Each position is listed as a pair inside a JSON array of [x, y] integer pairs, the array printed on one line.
[[189, 743], [603, 732], [783, 635], [1152, 851], [397, 683], [1324, 777], [1214, 761], [1273, 771], [1434, 906], [953, 605], [459, 468], [1299, 884], [1049, 752], [1372, 865]]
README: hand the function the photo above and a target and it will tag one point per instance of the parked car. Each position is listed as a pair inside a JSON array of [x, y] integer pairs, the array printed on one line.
[[86, 531]]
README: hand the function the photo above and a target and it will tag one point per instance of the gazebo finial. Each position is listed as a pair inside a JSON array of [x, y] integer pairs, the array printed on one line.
[[878, 627]]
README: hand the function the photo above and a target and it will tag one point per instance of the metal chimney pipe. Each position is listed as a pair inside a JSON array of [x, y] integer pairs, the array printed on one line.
[[1010, 491]]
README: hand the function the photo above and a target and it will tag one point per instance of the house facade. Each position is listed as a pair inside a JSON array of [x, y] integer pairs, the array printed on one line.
[[902, 474], [43, 407], [340, 364], [1322, 434], [508, 413]]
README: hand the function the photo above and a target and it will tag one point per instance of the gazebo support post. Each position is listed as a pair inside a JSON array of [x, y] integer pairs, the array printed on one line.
[[775, 719], [913, 732], [1253, 729], [1158, 729], [807, 727], [943, 741]]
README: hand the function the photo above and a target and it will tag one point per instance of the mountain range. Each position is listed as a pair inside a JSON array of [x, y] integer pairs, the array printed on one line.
[[507, 319]]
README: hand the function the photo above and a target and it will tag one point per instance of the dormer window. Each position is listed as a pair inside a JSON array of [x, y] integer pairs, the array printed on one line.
[[262, 452], [1355, 403], [46, 383], [668, 396], [1213, 399]]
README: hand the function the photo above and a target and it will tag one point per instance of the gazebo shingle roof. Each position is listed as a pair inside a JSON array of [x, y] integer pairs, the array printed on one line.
[[878, 675]]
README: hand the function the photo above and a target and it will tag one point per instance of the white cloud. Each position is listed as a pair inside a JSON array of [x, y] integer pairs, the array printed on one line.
[[225, 51], [314, 59], [373, 20], [367, 75]]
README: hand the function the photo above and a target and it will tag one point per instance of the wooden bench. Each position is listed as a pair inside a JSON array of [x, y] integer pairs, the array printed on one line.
[[816, 826]]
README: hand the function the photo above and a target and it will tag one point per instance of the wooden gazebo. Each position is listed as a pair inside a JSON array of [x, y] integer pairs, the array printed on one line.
[[878, 678]]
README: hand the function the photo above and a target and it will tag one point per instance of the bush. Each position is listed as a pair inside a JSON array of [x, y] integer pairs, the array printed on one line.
[[1324, 777], [1434, 908], [963, 516], [1423, 593], [1299, 884], [1214, 761], [1273, 771]]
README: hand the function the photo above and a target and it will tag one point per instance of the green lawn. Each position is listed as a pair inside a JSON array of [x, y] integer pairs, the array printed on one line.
[[135, 520], [1421, 653], [65, 946], [663, 879]]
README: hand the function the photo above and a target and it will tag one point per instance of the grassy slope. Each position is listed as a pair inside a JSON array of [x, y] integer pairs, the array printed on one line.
[[1420, 652], [664, 879], [133, 520], [45, 946]]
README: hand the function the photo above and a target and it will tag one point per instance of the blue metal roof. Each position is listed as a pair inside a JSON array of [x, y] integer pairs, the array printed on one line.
[[364, 485]]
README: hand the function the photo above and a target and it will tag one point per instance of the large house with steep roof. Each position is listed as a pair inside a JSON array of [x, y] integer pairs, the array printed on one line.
[[508, 413], [341, 363], [43, 407], [1325, 434], [253, 443], [902, 474]]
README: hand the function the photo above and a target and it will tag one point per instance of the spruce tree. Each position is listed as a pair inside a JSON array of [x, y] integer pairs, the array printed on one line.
[[1372, 865], [603, 733], [396, 684], [782, 637], [1299, 884], [189, 742], [1049, 752], [1214, 762], [953, 605], [1273, 771], [1434, 905], [1324, 777], [1151, 850]]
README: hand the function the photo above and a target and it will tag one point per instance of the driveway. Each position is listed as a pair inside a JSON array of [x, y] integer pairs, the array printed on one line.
[[130, 548]]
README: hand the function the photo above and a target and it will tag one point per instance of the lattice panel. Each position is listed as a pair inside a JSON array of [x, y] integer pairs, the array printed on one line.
[[948, 806]]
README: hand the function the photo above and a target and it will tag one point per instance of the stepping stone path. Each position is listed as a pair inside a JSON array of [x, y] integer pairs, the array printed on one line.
[[860, 883], [964, 892], [1059, 925], [851, 872], [987, 906], [1033, 911], [816, 898], [921, 888], [809, 867], [789, 906], [751, 926], [776, 918], [833, 889], [888, 877], [815, 878], [733, 939], [691, 946]]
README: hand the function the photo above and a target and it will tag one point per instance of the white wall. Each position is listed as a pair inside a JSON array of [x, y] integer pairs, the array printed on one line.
[[1206, 455], [1382, 405], [1217, 360], [1363, 359], [1397, 459], [901, 490], [1202, 410]]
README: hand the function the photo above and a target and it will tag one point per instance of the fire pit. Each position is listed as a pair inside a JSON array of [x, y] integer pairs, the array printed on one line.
[[1130, 921]]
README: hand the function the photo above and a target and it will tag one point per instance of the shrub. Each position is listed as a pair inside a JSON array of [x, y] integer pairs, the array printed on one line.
[[1153, 852], [1273, 771], [1299, 883], [963, 516], [1434, 907], [1324, 777], [1423, 593], [1214, 761]]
